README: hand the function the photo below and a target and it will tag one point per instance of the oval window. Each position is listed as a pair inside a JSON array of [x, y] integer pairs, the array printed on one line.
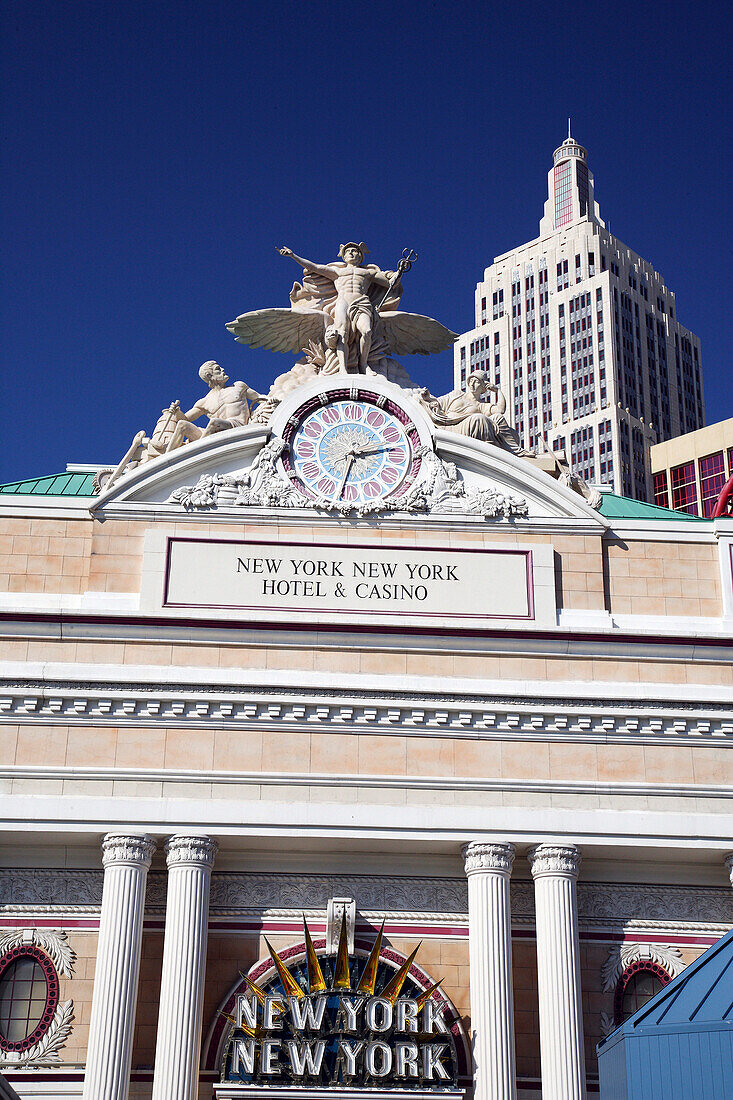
[[29, 994]]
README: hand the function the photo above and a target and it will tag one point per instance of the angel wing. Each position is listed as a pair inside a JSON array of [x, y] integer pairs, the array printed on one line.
[[413, 334], [279, 329]]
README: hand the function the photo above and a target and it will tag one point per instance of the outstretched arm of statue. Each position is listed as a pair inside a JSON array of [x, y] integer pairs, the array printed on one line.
[[327, 272]]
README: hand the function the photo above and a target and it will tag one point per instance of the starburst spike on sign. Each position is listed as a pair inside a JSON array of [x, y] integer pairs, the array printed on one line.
[[392, 990], [253, 988], [316, 981], [368, 977], [291, 987], [241, 1027], [427, 994], [342, 978]]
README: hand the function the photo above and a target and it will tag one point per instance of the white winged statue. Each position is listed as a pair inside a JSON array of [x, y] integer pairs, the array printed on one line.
[[348, 310]]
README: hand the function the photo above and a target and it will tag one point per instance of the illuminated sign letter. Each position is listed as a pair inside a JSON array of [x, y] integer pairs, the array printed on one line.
[[307, 1014], [433, 1018], [243, 1056], [431, 1063], [379, 1015], [406, 1015], [273, 1015], [378, 1059], [406, 1059], [269, 1063], [350, 1051], [305, 1058]]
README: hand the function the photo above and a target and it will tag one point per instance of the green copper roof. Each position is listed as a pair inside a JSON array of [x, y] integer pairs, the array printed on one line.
[[615, 507], [54, 485]]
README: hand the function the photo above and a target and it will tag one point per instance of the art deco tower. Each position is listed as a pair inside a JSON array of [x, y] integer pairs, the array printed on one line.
[[582, 335]]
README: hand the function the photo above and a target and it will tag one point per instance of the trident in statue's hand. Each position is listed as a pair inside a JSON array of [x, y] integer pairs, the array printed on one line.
[[408, 258]]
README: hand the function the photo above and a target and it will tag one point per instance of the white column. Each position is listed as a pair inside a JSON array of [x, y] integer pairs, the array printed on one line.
[[729, 866], [190, 859], [126, 860], [489, 867], [555, 872]]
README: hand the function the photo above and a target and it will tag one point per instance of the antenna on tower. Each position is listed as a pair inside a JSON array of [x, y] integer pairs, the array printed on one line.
[[569, 134]]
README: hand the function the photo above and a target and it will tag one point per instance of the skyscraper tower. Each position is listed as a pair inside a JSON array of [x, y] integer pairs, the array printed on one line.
[[582, 336]]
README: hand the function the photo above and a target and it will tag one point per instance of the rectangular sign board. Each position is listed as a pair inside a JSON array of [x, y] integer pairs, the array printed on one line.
[[323, 580]]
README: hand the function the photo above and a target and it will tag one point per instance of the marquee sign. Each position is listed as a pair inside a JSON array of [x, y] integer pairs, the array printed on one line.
[[336, 1021]]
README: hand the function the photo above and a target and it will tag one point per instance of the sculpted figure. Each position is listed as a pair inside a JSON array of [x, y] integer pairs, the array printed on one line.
[[353, 312], [226, 406], [142, 448], [467, 414], [349, 309], [464, 411]]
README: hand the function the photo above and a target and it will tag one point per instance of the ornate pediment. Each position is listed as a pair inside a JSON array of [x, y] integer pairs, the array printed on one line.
[[346, 448], [344, 432]]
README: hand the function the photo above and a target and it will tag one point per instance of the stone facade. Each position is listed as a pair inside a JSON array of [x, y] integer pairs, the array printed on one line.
[[264, 762]]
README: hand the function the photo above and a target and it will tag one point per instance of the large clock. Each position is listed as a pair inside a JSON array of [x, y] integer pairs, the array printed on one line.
[[351, 446]]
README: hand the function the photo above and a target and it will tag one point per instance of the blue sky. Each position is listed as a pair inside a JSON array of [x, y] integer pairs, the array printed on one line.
[[157, 153]]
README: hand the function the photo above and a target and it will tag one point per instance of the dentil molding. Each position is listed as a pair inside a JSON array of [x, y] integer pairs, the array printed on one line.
[[467, 715]]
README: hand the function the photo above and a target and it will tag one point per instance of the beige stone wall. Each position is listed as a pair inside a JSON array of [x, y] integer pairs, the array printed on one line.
[[663, 578], [79, 989], [634, 577], [45, 555], [339, 754]]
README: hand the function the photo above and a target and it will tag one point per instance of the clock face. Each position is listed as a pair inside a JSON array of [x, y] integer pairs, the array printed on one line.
[[355, 449]]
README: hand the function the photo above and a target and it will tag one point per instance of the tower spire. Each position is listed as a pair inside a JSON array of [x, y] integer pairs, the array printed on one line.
[[570, 136]]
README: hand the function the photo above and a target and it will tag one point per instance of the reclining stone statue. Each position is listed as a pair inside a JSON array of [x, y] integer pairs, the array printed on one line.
[[466, 413]]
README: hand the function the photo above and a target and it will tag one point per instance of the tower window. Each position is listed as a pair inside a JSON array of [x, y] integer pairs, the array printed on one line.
[[563, 195]]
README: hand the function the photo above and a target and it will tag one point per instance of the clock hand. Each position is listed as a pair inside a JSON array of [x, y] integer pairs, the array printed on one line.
[[347, 468], [376, 450]]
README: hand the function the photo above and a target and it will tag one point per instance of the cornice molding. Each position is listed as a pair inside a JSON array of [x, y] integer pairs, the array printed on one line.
[[488, 858], [410, 714]]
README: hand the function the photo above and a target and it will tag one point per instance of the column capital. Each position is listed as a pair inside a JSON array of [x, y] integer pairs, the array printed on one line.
[[478, 856], [127, 848], [554, 859], [197, 850], [729, 865]]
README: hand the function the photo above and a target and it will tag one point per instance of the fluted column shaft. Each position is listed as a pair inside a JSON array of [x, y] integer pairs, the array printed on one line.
[[489, 867], [126, 860], [729, 866], [190, 859], [555, 872]]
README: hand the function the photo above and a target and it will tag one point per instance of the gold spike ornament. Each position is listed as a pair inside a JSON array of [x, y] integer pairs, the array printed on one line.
[[342, 979], [392, 990], [368, 978], [316, 981], [289, 984]]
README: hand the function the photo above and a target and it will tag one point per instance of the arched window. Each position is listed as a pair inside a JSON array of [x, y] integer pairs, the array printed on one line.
[[638, 984], [29, 994]]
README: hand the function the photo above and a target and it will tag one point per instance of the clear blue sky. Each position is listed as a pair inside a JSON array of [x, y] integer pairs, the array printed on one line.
[[157, 153]]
